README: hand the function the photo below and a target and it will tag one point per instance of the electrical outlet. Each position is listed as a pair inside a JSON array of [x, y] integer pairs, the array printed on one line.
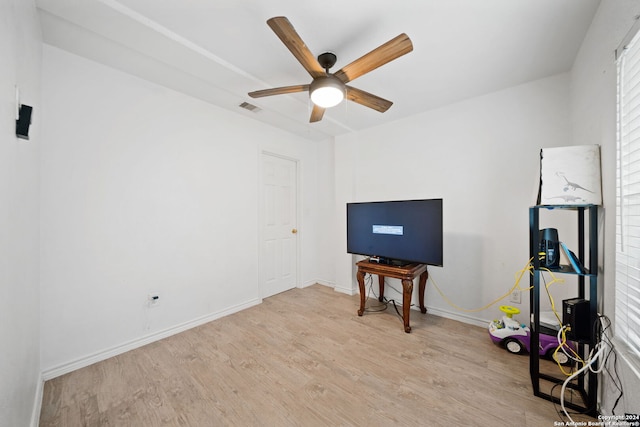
[[516, 296], [153, 299]]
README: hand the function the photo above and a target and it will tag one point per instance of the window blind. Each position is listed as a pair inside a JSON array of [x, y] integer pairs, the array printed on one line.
[[627, 294]]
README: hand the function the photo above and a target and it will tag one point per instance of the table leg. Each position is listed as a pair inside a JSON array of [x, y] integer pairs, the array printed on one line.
[[422, 285], [407, 290], [360, 276], [381, 286]]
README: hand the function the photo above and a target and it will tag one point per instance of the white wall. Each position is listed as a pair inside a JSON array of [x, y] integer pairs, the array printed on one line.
[[146, 190], [593, 107], [482, 157], [20, 63], [319, 219]]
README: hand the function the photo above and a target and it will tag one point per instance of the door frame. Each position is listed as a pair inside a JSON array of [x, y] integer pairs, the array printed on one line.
[[261, 215]]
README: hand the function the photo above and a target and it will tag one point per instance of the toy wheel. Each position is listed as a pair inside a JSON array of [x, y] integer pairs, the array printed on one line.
[[513, 346]]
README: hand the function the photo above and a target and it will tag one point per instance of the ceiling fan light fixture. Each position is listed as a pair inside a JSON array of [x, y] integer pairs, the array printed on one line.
[[327, 91]]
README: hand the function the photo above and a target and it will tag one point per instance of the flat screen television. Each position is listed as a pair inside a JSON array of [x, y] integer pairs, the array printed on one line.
[[398, 232]]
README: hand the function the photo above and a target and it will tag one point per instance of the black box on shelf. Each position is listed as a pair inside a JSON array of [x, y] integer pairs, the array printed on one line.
[[576, 315]]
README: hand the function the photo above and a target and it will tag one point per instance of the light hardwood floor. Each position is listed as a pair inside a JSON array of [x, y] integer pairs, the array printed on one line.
[[304, 358]]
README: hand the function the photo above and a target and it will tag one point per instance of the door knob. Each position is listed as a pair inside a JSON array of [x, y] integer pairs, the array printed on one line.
[[294, 230]]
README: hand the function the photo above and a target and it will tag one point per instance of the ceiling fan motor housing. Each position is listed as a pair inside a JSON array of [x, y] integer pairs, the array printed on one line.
[[327, 60]]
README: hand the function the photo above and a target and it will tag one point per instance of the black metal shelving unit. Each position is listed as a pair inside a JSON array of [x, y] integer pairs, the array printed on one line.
[[586, 385]]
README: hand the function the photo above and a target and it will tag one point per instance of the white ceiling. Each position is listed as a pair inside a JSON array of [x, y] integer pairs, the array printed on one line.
[[219, 50]]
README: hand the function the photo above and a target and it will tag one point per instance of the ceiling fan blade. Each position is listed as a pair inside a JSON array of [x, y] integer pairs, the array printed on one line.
[[316, 114], [367, 99], [285, 31], [279, 91], [379, 56]]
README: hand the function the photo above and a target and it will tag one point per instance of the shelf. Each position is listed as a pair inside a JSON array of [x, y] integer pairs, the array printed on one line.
[[565, 207], [585, 387], [566, 269]]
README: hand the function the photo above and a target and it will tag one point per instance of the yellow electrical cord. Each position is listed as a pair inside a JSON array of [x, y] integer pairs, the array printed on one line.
[[519, 275], [516, 286], [576, 356], [554, 280]]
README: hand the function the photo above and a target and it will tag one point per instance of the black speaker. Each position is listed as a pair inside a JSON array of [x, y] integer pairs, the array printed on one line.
[[549, 253], [23, 122]]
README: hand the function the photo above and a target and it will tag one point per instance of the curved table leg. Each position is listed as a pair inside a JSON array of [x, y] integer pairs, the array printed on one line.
[[422, 285], [360, 276], [407, 290]]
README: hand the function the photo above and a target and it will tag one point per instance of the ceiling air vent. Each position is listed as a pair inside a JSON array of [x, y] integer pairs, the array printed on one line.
[[250, 107]]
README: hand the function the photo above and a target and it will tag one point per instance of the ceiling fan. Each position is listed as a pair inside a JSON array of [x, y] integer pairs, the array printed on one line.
[[329, 89]]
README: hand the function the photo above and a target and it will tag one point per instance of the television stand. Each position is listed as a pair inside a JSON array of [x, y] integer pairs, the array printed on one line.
[[406, 273]]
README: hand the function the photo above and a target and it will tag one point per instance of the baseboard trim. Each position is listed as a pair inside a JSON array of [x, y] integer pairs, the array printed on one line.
[[457, 316], [82, 362], [311, 283], [37, 404], [330, 285], [343, 290]]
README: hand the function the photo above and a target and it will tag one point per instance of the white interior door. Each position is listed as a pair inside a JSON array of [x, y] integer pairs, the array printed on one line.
[[279, 224]]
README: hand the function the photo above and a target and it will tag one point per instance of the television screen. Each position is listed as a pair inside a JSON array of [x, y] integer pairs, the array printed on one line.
[[398, 231]]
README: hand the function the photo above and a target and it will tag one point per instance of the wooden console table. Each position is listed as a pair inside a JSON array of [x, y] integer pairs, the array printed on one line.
[[405, 273]]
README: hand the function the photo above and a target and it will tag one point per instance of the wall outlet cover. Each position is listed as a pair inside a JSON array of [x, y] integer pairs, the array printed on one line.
[[516, 296], [153, 299]]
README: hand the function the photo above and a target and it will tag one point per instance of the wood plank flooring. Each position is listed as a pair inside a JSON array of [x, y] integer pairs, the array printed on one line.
[[304, 358]]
